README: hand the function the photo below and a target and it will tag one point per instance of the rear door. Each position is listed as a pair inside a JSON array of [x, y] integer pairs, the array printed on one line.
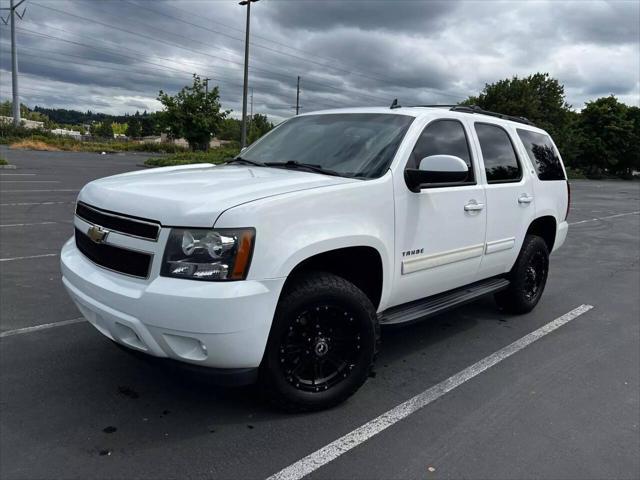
[[509, 194]]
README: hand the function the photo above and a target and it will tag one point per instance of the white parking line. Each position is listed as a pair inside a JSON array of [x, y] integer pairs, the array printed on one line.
[[17, 174], [26, 258], [605, 218], [25, 224], [29, 181], [36, 328], [60, 190], [360, 435], [31, 203]]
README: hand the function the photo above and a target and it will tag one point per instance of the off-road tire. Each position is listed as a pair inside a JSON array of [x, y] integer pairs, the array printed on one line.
[[310, 294], [532, 265]]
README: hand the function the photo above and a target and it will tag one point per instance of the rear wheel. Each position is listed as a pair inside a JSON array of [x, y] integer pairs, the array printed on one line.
[[528, 277], [322, 344]]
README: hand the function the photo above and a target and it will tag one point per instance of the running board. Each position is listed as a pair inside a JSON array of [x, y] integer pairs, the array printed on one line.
[[436, 304]]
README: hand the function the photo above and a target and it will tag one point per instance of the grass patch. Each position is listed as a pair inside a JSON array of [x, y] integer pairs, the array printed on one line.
[[215, 155], [3, 161], [34, 145], [56, 144]]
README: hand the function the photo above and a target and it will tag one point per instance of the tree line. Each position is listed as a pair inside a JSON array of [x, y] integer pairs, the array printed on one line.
[[601, 138]]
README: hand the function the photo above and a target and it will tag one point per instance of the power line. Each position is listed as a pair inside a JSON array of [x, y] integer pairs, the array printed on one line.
[[111, 68], [148, 37], [140, 57], [305, 59], [156, 66], [266, 39], [120, 54], [257, 45]]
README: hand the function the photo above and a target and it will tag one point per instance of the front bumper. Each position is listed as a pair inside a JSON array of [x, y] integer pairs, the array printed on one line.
[[223, 325]]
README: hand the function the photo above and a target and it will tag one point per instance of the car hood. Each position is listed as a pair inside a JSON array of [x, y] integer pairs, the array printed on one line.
[[195, 195]]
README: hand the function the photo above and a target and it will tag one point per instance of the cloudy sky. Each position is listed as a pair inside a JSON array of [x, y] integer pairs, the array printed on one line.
[[114, 55]]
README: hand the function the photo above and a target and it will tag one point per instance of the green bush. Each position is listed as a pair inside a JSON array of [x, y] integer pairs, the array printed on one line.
[[215, 155], [3, 161]]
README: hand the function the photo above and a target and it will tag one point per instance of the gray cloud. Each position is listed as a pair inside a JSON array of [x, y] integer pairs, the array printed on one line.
[[353, 52], [393, 16]]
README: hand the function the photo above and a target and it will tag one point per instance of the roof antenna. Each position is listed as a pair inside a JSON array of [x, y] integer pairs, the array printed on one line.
[[394, 104]]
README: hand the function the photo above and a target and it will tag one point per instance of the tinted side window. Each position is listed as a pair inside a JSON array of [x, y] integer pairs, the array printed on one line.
[[543, 155], [442, 137], [500, 160]]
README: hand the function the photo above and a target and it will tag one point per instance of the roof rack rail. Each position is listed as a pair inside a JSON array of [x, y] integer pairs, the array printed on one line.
[[435, 106], [481, 111]]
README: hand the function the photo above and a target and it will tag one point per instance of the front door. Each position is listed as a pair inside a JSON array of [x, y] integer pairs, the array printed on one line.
[[440, 231]]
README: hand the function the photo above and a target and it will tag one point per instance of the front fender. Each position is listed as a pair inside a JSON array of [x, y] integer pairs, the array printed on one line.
[[293, 227]]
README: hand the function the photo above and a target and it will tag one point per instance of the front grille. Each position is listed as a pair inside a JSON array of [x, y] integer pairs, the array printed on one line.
[[129, 262], [137, 227]]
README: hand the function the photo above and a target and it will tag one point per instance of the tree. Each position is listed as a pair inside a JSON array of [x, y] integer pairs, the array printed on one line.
[[631, 160], [608, 136], [259, 126], [230, 129], [538, 97], [149, 124], [119, 128], [192, 113], [104, 129], [134, 128]]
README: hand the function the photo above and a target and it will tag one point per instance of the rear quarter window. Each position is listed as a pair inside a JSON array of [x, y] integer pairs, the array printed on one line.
[[543, 155]]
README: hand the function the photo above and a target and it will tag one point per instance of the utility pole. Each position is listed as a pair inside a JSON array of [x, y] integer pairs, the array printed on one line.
[[206, 86], [251, 114], [243, 141], [298, 97], [14, 57]]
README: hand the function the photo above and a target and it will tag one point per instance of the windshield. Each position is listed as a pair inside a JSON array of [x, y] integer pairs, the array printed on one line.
[[351, 144]]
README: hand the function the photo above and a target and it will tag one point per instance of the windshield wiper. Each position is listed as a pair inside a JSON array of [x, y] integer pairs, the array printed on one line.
[[304, 166], [244, 160]]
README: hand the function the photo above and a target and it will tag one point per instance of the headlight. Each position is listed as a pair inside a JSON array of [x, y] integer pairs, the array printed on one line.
[[203, 254]]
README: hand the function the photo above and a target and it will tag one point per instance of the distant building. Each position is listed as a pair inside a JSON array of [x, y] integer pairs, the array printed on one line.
[[32, 124], [66, 132]]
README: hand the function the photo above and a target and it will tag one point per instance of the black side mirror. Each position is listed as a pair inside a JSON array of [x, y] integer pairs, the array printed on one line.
[[436, 170]]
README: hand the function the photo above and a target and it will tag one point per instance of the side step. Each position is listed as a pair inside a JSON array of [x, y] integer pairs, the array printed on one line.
[[427, 307]]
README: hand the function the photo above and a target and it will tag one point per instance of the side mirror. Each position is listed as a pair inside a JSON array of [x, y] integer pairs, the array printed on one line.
[[436, 169]]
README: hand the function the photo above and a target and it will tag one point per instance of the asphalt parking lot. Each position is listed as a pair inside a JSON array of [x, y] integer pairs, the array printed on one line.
[[567, 406]]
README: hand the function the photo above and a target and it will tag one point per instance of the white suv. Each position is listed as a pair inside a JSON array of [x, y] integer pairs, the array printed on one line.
[[282, 264]]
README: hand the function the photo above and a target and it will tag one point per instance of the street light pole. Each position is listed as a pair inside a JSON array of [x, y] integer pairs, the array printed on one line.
[[243, 141]]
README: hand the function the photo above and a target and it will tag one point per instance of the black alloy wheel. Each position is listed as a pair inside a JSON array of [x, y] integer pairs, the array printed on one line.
[[528, 277], [321, 347], [322, 343], [535, 275]]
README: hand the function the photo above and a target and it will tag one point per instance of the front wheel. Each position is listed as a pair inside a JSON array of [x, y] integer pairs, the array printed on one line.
[[322, 343], [528, 277]]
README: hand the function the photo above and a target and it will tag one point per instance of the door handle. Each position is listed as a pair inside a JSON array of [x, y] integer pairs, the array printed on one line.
[[525, 198], [473, 206]]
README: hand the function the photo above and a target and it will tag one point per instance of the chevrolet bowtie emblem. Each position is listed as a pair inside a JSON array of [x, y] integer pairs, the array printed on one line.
[[97, 234]]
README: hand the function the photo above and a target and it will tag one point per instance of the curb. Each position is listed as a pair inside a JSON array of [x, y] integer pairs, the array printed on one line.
[[8, 167]]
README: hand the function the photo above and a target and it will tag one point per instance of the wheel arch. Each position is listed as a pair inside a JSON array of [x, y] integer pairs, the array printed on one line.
[[361, 265], [546, 228]]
